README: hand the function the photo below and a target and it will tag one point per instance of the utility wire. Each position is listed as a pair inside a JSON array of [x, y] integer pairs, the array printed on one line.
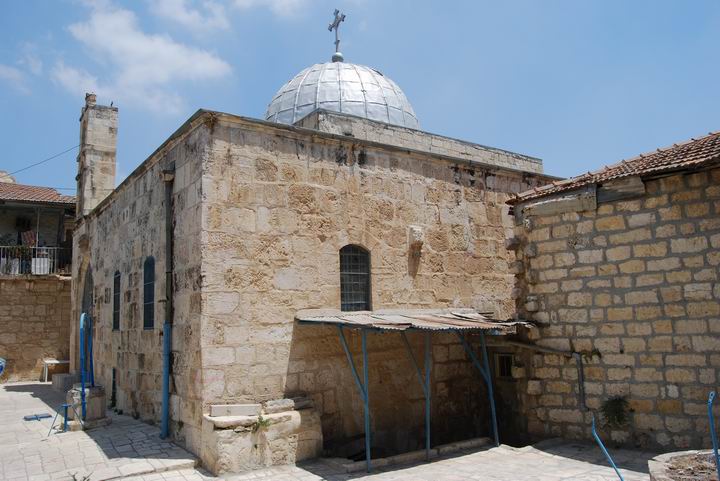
[[41, 162]]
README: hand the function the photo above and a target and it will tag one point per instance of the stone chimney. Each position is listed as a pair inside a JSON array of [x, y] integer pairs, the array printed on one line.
[[96, 158]]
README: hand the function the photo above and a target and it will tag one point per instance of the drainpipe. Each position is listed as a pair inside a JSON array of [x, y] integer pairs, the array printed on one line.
[[168, 178]]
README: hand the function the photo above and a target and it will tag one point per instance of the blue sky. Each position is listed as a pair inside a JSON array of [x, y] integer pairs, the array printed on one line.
[[578, 83]]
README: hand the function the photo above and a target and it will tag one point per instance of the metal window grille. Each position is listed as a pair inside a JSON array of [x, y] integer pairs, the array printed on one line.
[[116, 301], [149, 293], [504, 363], [354, 279]]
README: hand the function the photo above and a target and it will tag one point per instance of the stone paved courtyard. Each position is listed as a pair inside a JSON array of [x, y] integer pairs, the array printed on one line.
[[131, 450], [125, 447]]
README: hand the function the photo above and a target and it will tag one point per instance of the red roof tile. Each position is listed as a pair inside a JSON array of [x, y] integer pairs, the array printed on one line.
[[692, 153], [34, 194]]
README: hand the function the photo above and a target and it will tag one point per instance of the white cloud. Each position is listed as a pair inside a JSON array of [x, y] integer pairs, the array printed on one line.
[[209, 15], [32, 63], [29, 58], [143, 68], [15, 78], [279, 7]]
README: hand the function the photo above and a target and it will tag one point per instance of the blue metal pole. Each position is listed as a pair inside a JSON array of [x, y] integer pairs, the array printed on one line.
[[65, 417], [82, 363], [90, 350], [428, 364], [485, 371], [605, 452], [366, 400], [491, 395], [713, 433], [165, 414], [350, 361], [424, 383]]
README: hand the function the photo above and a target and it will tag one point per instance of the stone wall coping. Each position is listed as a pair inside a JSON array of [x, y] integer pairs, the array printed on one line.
[[330, 113], [230, 422], [319, 134], [210, 117]]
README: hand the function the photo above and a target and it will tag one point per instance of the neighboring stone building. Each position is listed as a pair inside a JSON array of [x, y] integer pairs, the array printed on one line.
[[621, 266], [259, 213], [35, 241]]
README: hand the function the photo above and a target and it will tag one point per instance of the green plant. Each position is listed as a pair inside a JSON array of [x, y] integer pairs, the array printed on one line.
[[261, 423], [615, 411]]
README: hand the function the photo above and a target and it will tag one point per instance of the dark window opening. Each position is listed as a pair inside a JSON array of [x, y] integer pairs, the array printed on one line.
[[354, 279], [113, 392], [504, 363], [116, 302], [149, 293]]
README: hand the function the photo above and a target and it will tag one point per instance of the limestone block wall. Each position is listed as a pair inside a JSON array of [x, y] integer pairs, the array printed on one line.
[[34, 324], [361, 128], [633, 285], [118, 236], [279, 205]]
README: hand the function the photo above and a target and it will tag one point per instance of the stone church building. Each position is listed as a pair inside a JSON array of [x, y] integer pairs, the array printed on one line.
[[335, 201]]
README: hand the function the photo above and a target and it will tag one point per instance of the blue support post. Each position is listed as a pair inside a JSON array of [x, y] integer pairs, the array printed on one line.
[[713, 433], [605, 452], [487, 376], [165, 413], [491, 394], [363, 388], [424, 383], [428, 391], [82, 363], [367, 399]]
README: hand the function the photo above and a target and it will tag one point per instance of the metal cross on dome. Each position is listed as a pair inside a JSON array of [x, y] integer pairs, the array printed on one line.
[[335, 25]]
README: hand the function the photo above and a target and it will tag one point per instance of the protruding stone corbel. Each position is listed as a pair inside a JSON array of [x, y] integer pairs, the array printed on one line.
[[416, 239]]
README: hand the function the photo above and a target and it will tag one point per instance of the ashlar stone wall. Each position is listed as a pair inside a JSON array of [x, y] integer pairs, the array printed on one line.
[[633, 286], [361, 128], [125, 229], [34, 324], [279, 205]]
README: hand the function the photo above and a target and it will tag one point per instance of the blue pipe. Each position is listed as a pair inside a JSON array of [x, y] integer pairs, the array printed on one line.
[[168, 179], [605, 452], [713, 433], [165, 414], [82, 363], [90, 350]]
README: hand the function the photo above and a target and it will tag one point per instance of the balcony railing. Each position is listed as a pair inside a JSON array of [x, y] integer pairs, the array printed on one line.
[[21, 260]]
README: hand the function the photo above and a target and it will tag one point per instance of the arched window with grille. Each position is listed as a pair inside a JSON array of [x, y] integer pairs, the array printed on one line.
[[354, 279], [149, 293], [116, 302]]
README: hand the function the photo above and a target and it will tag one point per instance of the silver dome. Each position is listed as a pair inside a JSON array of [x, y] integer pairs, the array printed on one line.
[[342, 87]]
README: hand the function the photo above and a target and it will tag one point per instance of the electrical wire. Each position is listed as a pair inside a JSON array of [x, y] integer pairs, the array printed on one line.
[[41, 162]]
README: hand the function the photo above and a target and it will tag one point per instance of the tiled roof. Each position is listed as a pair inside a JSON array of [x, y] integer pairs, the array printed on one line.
[[692, 153], [34, 194]]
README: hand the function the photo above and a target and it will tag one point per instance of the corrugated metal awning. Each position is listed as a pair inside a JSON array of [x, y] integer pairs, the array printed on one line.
[[450, 319]]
